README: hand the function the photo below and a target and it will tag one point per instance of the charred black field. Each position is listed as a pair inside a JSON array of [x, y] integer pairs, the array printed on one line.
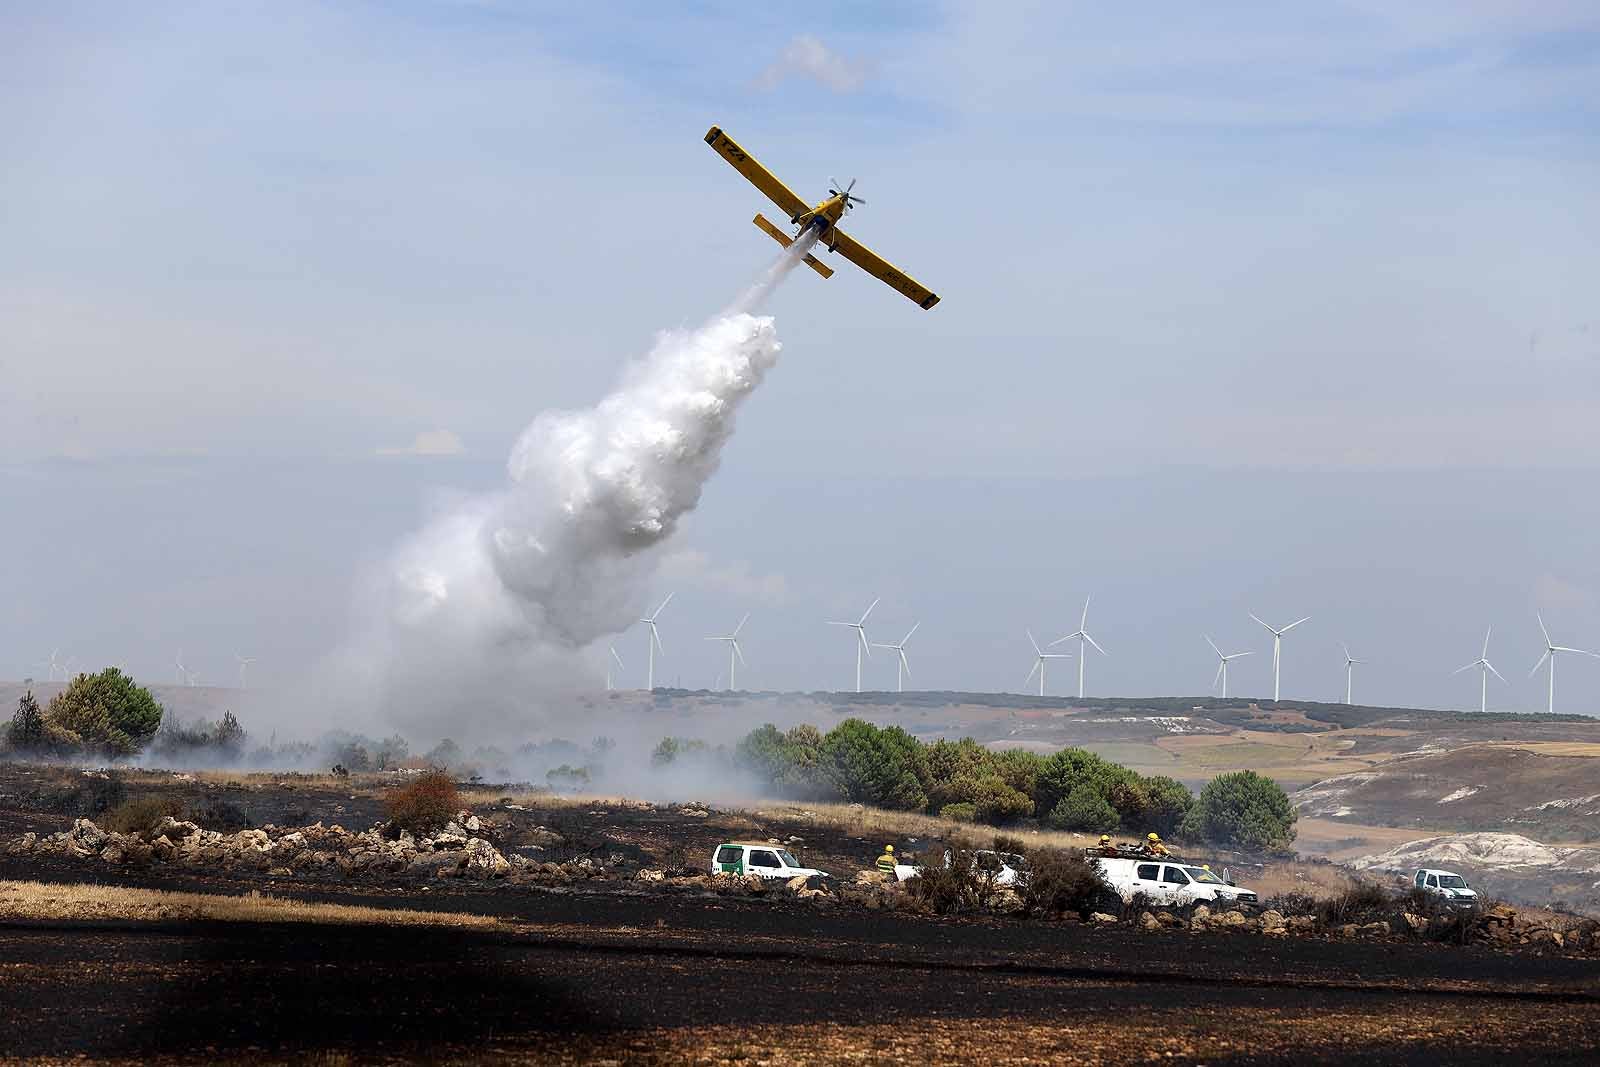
[[607, 965]]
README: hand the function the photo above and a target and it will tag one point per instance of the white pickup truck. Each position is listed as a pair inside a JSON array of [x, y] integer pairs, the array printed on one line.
[[1447, 885], [760, 858], [1008, 868], [1168, 881]]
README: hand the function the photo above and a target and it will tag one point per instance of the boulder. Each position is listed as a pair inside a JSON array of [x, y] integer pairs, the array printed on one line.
[[112, 854], [483, 860], [1231, 920], [1102, 917], [1166, 918], [280, 872], [648, 875], [1301, 924], [1200, 917], [1271, 919], [24, 844], [175, 830], [1148, 921], [543, 838], [255, 840], [1349, 930], [1378, 929], [86, 836], [1416, 923]]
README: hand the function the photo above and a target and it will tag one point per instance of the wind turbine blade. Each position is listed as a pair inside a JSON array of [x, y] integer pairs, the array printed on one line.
[[737, 651], [1536, 666], [905, 662], [1348, 658], [1096, 645], [1083, 623], [1581, 651], [662, 608], [655, 635], [1058, 640], [1542, 630], [832, 622], [742, 621], [864, 614], [907, 638], [1218, 676], [1034, 643], [1253, 616], [861, 632], [1236, 655], [615, 656], [1469, 666], [1292, 625], [1494, 672], [1037, 663], [1485, 653], [1213, 645]]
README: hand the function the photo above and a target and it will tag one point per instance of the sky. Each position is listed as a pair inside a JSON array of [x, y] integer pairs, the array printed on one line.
[[1245, 309]]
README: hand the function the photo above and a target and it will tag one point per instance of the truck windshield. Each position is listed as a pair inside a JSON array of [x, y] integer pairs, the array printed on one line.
[[1200, 874], [1452, 881], [788, 858]]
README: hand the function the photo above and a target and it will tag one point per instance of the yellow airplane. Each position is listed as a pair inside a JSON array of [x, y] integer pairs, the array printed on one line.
[[824, 218]]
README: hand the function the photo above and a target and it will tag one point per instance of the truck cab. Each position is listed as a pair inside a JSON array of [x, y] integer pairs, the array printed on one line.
[[1447, 885]]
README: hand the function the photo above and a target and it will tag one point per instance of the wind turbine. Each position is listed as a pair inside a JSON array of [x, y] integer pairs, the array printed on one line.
[[1082, 635], [1550, 650], [53, 663], [653, 642], [183, 673], [1222, 664], [1039, 656], [862, 645], [904, 667], [244, 661], [733, 649], [1350, 667], [1485, 668], [613, 650], [1277, 648]]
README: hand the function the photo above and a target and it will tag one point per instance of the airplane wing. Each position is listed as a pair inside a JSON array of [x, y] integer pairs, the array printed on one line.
[[759, 176], [880, 268]]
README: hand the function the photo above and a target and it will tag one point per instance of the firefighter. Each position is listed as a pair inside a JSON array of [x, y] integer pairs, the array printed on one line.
[[1153, 845], [1106, 847], [886, 862]]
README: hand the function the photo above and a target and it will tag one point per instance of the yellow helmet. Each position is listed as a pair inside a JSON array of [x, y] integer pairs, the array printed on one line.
[[888, 848], [1153, 836], [1105, 839]]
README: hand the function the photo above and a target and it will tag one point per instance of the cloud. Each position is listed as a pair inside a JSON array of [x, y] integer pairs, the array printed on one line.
[[736, 578], [429, 443], [808, 57]]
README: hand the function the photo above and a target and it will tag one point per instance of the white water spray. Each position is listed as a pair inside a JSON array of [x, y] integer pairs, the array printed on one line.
[[497, 594]]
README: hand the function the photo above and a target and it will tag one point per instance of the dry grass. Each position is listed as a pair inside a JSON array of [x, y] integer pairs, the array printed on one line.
[[897, 825], [1318, 880], [41, 900]]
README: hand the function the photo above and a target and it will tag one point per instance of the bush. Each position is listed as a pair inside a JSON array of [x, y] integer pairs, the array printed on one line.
[[1084, 809], [140, 814], [106, 712], [1362, 903], [954, 889], [423, 805], [959, 812], [1059, 882], [218, 813], [27, 732], [1243, 810]]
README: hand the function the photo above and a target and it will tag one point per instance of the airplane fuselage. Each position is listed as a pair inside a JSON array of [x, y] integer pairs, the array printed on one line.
[[823, 216]]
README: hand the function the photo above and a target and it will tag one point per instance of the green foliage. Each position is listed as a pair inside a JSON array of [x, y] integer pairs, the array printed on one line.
[[672, 749], [1085, 808], [959, 812], [567, 776], [106, 712], [864, 763], [1243, 810], [27, 731], [391, 752], [1169, 802]]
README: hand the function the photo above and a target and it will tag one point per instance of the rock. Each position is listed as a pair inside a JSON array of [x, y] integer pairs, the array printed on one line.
[[1200, 916], [1166, 918], [694, 813], [1380, 929], [472, 823], [1301, 924], [1232, 920], [1271, 919], [174, 830], [542, 838], [1349, 930], [1102, 917], [137, 853], [112, 854], [648, 875], [1274, 931], [87, 836], [280, 872], [1148, 921], [1416, 923], [24, 844], [256, 840], [448, 840], [483, 860]]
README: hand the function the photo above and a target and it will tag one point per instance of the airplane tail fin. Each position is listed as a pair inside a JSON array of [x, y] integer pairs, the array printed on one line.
[[785, 240]]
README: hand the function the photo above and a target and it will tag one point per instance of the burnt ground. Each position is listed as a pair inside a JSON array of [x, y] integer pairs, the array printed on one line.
[[604, 971]]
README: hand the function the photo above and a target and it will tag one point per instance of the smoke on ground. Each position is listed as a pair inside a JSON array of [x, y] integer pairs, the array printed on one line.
[[479, 623]]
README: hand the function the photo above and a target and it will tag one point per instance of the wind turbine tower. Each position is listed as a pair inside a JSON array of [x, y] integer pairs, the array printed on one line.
[[653, 643], [862, 645], [1550, 650], [1039, 656], [1485, 668], [1223, 659], [903, 668], [244, 661], [1349, 670], [1082, 635], [1277, 648], [613, 650], [733, 648]]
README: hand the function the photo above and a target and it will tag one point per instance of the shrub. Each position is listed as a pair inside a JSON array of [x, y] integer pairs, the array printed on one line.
[[423, 805], [1169, 802], [959, 812], [27, 733], [106, 712], [951, 890], [874, 766], [1361, 903], [1243, 810], [1084, 809], [219, 813], [140, 814], [1059, 882]]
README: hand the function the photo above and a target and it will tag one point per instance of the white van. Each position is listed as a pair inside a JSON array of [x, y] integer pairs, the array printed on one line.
[[1168, 882], [1448, 885], [760, 858]]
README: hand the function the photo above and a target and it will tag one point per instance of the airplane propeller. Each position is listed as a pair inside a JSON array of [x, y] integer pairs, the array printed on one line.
[[850, 200]]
